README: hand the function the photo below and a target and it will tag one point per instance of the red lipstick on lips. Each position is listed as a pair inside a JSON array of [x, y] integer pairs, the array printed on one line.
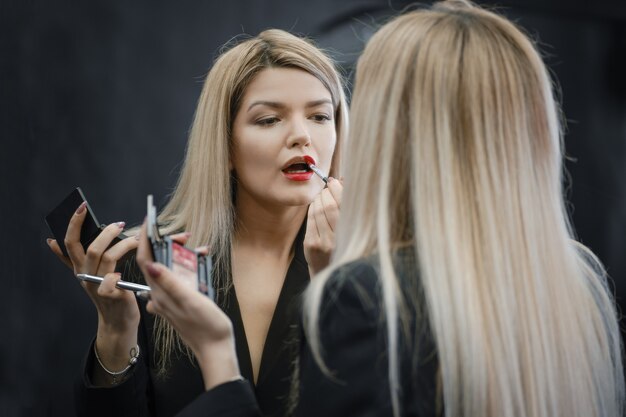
[[298, 171], [304, 176]]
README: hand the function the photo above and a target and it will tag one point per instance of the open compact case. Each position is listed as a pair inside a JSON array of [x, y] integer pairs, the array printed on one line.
[[192, 266]]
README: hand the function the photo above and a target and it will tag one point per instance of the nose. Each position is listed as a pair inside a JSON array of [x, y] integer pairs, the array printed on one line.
[[299, 135]]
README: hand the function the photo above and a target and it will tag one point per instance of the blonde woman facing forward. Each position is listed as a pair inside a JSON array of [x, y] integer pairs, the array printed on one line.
[[456, 287], [244, 191]]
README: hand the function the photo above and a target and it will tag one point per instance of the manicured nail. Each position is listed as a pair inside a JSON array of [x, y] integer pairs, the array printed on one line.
[[153, 270], [120, 224], [81, 208], [144, 295], [49, 240]]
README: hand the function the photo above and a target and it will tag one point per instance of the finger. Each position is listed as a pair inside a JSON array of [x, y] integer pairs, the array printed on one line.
[[107, 287], [100, 245], [336, 189], [166, 293], [115, 253], [181, 237], [91, 288], [72, 235], [202, 250], [56, 249], [327, 236], [317, 215], [311, 233], [330, 208], [164, 283], [144, 253]]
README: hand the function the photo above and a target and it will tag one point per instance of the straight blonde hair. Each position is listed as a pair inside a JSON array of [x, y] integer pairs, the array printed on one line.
[[455, 109], [203, 200]]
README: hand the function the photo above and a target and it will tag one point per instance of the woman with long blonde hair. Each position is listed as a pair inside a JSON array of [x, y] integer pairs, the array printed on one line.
[[456, 287], [465, 226], [267, 105]]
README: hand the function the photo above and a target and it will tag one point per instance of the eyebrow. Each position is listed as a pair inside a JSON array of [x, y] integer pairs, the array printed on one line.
[[278, 105]]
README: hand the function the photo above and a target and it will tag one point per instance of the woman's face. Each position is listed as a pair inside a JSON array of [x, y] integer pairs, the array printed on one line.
[[284, 115]]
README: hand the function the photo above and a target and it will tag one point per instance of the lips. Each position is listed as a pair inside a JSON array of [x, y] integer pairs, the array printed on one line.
[[297, 169], [298, 176], [296, 161], [309, 159]]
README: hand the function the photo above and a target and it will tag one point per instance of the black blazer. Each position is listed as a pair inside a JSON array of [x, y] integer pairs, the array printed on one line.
[[354, 340], [145, 393]]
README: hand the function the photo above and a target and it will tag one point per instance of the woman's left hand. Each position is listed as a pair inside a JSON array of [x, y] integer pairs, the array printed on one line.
[[319, 241], [201, 324]]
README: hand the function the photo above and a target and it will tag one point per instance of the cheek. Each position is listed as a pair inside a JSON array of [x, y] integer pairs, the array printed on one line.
[[327, 150], [253, 156]]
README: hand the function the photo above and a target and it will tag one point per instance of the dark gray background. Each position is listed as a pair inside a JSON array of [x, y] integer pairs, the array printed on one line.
[[100, 94]]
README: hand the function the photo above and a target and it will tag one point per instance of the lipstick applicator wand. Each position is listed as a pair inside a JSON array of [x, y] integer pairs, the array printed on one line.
[[311, 163]]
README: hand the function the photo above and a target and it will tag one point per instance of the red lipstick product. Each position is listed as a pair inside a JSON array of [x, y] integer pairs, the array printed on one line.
[[311, 163]]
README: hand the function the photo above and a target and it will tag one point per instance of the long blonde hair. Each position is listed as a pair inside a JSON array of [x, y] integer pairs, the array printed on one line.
[[202, 201], [454, 108]]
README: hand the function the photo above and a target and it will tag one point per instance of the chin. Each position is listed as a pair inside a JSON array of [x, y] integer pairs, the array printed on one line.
[[301, 197], [295, 200]]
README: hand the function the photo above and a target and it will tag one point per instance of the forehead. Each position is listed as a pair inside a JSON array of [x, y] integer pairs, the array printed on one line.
[[285, 85]]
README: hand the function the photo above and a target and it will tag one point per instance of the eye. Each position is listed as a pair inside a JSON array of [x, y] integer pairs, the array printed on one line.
[[321, 117], [267, 121]]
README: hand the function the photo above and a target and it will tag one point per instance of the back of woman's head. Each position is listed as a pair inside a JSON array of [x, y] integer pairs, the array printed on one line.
[[456, 139]]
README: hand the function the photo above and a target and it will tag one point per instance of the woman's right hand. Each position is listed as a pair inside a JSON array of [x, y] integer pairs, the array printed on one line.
[[319, 240]]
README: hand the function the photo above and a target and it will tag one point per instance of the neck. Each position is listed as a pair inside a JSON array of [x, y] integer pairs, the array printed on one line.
[[267, 227]]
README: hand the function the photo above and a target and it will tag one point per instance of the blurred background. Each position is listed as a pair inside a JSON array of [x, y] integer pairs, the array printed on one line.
[[101, 95]]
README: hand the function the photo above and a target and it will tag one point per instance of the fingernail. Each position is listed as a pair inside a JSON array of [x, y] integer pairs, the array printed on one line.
[[81, 208], [49, 240], [137, 236], [331, 179], [120, 224], [153, 270], [144, 295]]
